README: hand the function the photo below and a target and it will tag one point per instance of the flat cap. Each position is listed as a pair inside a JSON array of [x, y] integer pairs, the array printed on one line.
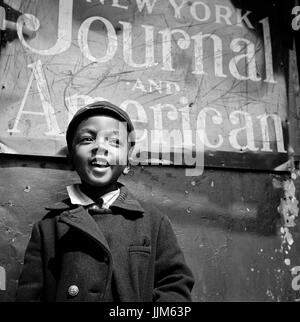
[[99, 108]]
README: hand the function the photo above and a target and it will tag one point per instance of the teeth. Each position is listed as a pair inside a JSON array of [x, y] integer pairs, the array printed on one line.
[[100, 164]]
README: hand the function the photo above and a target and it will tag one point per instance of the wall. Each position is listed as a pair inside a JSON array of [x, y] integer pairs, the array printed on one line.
[[227, 223], [238, 229]]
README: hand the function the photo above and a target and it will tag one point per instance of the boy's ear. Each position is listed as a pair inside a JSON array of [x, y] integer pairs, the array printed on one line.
[[127, 168]]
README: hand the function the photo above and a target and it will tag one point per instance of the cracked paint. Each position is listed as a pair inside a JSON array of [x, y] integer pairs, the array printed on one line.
[[288, 207], [289, 210]]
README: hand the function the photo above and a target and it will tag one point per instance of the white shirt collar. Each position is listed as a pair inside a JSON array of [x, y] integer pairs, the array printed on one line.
[[77, 197]]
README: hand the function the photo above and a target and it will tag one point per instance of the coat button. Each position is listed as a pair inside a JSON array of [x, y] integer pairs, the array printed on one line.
[[73, 290]]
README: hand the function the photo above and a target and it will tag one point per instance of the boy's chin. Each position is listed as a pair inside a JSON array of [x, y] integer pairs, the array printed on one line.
[[103, 182], [100, 179], [100, 184]]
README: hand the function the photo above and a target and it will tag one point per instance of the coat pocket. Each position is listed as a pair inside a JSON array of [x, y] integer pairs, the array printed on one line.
[[139, 257], [139, 249]]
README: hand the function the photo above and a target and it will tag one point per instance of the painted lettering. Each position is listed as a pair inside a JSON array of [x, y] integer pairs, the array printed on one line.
[[296, 279], [199, 10], [207, 11], [201, 126], [128, 45], [243, 18], [182, 43], [64, 37], [248, 128], [237, 45], [296, 20], [140, 121], [158, 137], [265, 132], [177, 7], [156, 86], [139, 86], [150, 4], [111, 37], [48, 110], [76, 101], [199, 54], [268, 51], [223, 13]]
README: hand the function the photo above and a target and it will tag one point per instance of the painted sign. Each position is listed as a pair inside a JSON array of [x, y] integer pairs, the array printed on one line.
[[195, 76]]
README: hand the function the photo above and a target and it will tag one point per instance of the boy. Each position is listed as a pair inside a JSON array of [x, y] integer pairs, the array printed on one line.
[[109, 248]]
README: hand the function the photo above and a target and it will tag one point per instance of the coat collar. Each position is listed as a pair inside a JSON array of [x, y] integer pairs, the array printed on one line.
[[125, 202], [78, 217]]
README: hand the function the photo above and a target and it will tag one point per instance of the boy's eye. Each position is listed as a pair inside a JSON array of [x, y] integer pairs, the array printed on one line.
[[114, 141], [86, 139]]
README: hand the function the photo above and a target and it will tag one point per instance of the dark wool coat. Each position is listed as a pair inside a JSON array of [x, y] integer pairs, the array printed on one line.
[[139, 260]]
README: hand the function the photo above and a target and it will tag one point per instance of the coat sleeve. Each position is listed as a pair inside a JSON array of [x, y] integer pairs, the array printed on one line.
[[30, 283], [173, 278]]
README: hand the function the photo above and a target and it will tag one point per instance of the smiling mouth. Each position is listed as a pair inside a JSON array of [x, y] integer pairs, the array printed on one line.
[[100, 164]]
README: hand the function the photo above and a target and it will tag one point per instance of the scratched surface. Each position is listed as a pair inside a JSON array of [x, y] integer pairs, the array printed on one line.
[[232, 238], [230, 86]]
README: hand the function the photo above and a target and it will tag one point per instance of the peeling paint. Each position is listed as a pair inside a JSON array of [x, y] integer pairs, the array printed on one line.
[[270, 294], [10, 203], [289, 210], [286, 238], [288, 207]]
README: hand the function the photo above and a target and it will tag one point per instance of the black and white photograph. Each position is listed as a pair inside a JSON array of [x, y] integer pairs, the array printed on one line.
[[149, 153]]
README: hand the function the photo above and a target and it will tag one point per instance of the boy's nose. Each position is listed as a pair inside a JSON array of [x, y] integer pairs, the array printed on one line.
[[99, 146]]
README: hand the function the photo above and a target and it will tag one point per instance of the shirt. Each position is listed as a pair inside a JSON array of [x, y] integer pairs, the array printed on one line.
[[77, 197]]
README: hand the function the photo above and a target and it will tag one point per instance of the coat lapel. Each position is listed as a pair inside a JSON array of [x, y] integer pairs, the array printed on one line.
[[80, 219], [126, 202]]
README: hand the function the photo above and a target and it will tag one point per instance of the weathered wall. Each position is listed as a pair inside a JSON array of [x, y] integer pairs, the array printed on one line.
[[238, 229], [227, 223], [193, 75]]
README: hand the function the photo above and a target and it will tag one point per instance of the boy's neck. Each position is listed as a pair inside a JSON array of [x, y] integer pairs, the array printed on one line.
[[95, 192]]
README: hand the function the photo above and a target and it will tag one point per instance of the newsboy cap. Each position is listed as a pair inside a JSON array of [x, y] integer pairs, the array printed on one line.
[[99, 108]]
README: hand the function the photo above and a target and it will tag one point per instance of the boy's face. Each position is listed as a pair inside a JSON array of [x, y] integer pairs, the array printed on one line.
[[100, 150]]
